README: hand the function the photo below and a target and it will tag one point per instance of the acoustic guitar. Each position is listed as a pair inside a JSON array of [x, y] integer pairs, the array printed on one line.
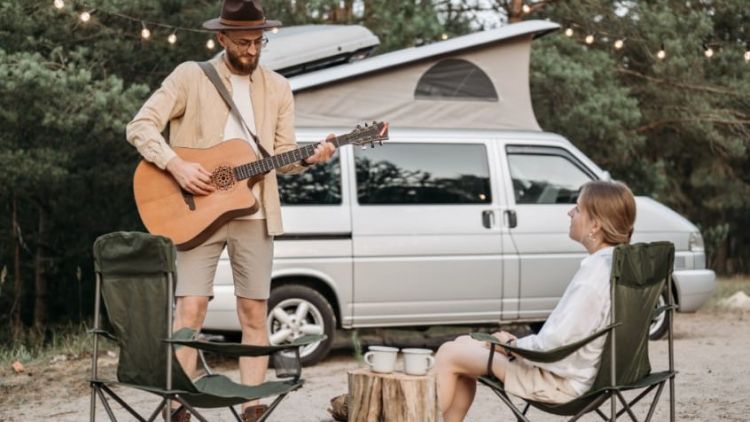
[[189, 220]]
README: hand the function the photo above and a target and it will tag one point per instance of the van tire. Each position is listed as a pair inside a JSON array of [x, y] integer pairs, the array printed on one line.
[[289, 298], [659, 326]]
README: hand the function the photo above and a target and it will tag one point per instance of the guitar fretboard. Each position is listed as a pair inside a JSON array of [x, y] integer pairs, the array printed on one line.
[[267, 164]]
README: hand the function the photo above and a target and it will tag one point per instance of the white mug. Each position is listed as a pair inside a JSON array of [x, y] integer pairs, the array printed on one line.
[[381, 359], [417, 361]]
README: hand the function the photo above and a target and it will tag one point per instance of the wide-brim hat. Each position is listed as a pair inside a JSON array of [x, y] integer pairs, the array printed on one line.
[[240, 15]]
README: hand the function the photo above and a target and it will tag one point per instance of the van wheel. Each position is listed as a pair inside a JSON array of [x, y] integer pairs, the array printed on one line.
[[296, 310], [660, 323]]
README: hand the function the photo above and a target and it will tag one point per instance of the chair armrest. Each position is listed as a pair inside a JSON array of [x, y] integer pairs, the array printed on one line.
[[185, 337], [547, 356], [661, 309]]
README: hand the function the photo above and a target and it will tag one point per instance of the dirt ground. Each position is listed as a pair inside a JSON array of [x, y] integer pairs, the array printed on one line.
[[713, 384]]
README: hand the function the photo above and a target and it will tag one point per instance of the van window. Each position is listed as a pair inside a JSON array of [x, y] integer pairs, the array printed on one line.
[[545, 175], [455, 79], [319, 185], [423, 174]]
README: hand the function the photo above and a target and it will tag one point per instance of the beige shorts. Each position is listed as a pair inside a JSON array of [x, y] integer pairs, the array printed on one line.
[[250, 254], [530, 382]]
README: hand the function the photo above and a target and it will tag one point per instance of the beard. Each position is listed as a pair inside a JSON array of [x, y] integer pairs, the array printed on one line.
[[243, 64]]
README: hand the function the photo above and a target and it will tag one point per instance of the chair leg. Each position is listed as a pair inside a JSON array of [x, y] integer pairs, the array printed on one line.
[[122, 403], [158, 410], [236, 415], [519, 416], [92, 410], [105, 403], [593, 405], [653, 403], [272, 407], [191, 409], [626, 406]]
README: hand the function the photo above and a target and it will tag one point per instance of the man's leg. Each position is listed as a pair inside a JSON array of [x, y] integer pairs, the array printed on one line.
[[252, 315], [190, 313]]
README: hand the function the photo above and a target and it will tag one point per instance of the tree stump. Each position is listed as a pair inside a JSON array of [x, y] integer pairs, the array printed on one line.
[[394, 397]]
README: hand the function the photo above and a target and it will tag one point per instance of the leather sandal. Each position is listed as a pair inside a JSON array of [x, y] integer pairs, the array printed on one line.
[[253, 413]]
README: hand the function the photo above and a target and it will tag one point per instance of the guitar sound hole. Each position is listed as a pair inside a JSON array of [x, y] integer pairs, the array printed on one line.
[[223, 178]]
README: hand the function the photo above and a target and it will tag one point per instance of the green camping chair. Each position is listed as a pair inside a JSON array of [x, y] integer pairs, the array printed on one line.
[[640, 273], [135, 278]]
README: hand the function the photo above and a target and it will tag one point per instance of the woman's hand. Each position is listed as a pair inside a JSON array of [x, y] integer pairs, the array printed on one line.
[[503, 337]]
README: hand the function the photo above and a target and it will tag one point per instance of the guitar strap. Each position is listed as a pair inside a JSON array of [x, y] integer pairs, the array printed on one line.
[[214, 77]]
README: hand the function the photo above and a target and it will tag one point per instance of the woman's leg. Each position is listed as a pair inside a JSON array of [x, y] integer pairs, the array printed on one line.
[[458, 364]]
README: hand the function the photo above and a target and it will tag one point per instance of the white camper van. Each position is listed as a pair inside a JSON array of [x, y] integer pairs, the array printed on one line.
[[459, 219]]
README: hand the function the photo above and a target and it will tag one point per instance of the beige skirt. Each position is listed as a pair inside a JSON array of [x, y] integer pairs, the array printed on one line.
[[530, 382]]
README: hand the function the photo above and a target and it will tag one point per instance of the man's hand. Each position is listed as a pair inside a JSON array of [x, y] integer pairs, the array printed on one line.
[[504, 337], [323, 151], [192, 177]]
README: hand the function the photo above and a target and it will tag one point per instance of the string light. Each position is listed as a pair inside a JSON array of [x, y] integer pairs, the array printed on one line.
[[708, 51], [589, 39], [444, 36], [525, 8], [210, 44], [619, 44], [661, 54], [172, 38], [85, 17], [569, 32], [59, 4], [747, 56], [145, 32], [275, 30]]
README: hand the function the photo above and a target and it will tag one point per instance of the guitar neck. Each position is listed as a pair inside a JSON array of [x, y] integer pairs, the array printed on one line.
[[267, 164]]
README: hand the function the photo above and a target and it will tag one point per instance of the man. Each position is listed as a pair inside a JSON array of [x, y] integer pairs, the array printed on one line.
[[199, 118]]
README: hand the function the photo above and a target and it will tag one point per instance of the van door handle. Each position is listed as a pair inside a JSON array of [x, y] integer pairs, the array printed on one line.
[[512, 219], [488, 219]]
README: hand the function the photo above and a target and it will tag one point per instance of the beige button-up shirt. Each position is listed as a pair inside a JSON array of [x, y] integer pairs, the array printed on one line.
[[189, 101]]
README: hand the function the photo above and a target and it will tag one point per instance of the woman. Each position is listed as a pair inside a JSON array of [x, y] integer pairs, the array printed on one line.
[[602, 218]]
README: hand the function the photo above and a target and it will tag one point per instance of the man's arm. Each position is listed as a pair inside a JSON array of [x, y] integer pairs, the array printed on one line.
[[144, 132]]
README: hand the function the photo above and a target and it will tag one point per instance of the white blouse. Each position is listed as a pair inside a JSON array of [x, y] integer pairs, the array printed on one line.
[[583, 310]]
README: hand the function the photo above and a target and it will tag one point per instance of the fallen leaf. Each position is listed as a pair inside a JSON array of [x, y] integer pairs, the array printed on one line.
[[17, 367]]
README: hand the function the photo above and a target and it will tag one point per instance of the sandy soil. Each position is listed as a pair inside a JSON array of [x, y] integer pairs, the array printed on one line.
[[712, 357]]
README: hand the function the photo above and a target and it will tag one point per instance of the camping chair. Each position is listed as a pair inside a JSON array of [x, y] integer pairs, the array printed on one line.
[[135, 278], [640, 273]]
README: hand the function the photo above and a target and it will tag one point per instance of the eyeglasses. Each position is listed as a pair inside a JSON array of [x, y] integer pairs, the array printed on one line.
[[244, 44]]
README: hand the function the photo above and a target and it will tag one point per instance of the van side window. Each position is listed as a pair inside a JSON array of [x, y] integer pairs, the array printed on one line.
[[455, 79], [319, 185], [545, 175], [423, 174]]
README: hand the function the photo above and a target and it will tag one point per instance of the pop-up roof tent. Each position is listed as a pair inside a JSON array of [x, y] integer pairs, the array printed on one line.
[[477, 81]]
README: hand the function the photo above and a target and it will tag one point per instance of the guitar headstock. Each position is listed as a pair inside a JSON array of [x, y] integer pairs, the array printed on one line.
[[369, 134]]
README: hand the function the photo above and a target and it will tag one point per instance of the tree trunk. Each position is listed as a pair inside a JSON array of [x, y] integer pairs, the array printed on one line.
[[15, 241], [515, 11], [392, 397], [41, 264]]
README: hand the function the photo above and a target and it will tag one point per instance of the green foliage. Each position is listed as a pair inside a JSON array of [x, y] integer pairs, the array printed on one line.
[[676, 129]]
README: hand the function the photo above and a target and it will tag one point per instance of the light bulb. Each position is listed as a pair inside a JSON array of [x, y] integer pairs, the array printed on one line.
[[85, 17], [569, 32], [145, 33], [709, 52], [747, 56], [444, 36], [661, 54], [59, 4], [589, 39], [210, 44], [275, 30], [619, 44], [525, 8], [172, 38]]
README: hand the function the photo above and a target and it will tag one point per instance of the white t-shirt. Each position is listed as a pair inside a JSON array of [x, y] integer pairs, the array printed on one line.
[[235, 129], [582, 311]]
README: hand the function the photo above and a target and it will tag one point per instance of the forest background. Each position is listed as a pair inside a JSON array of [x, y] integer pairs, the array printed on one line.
[[675, 128]]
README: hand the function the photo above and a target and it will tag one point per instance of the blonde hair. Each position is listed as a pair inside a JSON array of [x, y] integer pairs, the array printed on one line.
[[611, 204]]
